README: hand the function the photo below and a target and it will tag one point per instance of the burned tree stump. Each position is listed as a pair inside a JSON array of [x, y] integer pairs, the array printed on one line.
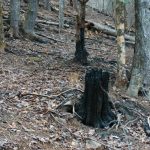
[[94, 107]]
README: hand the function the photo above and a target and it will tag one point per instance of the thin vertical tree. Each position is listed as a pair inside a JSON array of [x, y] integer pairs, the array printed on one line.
[[81, 53], [121, 79], [15, 16], [61, 13], [140, 75], [1, 28]]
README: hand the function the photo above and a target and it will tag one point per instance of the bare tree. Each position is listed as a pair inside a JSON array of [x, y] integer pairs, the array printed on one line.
[[31, 18], [121, 79], [61, 13], [81, 53], [15, 16], [140, 76], [1, 28]]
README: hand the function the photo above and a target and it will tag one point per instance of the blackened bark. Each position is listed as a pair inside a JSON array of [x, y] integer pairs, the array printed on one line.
[[71, 2], [81, 53], [26, 1], [94, 108]]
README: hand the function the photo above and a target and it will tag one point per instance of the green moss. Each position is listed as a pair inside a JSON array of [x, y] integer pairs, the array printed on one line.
[[34, 59]]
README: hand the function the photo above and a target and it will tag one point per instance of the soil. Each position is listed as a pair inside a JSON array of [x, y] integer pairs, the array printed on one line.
[[29, 70]]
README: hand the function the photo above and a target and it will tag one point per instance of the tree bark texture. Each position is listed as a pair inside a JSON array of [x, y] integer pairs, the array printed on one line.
[[81, 53], [15, 16], [94, 108], [121, 79], [1, 28], [141, 63], [61, 13], [31, 17]]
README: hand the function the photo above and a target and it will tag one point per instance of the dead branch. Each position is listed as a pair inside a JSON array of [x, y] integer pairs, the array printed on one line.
[[50, 23], [105, 29], [129, 122], [48, 37], [50, 97]]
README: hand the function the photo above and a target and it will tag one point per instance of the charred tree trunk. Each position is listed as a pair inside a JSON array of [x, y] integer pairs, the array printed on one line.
[[94, 108], [81, 53]]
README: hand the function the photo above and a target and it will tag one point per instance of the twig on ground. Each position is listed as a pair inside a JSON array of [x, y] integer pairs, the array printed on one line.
[[100, 142], [131, 121], [135, 111], [62, 103], [48, 37], [51, 23], [75, 136], [81, 137], [50, 97]]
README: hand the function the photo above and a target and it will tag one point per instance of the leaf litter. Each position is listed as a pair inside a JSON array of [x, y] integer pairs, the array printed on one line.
[[33, 78]]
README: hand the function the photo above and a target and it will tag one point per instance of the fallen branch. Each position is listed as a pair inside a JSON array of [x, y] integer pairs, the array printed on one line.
[[50, 23], [129, 122], [50, 97], [105, 29], [62, 103], [35, 37], [48, 37]]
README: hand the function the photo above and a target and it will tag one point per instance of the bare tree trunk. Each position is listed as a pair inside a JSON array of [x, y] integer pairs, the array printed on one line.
[[15, 16], [61, 13], [121, 79], [2, 45], [31, 17], [141, 62], [81, 53]]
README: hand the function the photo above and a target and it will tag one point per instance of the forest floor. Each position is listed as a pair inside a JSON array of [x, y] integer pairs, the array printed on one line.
[[35, 78]]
